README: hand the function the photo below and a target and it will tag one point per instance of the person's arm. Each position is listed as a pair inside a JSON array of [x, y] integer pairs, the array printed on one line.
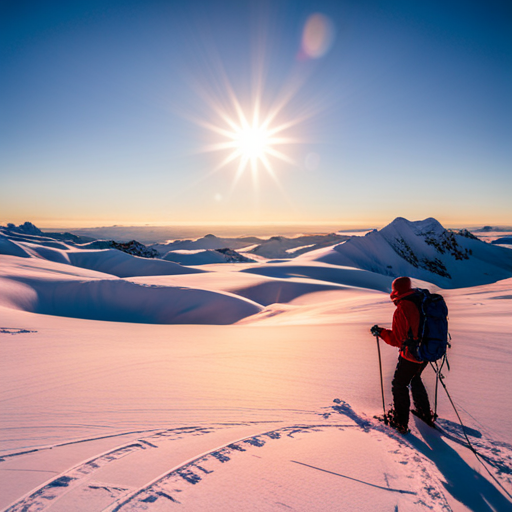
[[394, 336]]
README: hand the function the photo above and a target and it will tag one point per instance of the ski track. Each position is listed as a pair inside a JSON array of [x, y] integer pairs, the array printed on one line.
[[65, 482], [49, 492], [173, 484]]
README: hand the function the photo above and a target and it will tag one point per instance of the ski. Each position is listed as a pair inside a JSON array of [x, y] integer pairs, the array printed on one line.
[[431, 423], [445, 433]]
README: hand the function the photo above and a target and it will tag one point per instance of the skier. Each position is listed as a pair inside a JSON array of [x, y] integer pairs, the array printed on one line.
[[406, 321]]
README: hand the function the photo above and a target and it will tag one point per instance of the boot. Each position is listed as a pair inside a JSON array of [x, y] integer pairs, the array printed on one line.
[[392, 422], [428, 418]]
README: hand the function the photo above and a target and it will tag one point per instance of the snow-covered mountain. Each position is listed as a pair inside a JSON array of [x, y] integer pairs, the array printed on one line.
[[133, 247], [283, 247], [207, 256], [211, 242], [28, 232], [28, 229], [424, 250], [119, 261], [274, 247]]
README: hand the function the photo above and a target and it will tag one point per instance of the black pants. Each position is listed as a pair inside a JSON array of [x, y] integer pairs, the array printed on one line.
[[408, 374]]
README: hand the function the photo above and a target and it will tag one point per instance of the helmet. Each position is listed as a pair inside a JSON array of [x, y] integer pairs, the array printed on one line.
[[401, 287]]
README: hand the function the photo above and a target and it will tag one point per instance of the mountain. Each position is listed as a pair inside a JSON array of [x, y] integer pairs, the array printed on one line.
[[204, 257], [282, 247], [424, 250], [27, 232], [106, 259], [207, 242], [506, 240], [274, 247], [27, 228], [133, 247]]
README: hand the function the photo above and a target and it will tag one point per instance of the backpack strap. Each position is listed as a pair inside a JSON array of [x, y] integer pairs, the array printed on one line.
[[411, 342]]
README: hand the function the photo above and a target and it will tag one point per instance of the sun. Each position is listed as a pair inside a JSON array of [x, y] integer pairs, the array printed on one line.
[[249, 140], [252, 142]]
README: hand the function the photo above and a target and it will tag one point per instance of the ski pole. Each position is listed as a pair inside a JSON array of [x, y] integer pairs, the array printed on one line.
[[381, 381]]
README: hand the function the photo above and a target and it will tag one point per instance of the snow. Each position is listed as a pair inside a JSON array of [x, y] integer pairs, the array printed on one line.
[[116, 300], [282, 247], [127, 389], [205, 257], [274, 247], [108, 261], [424, 250], [207, 242]]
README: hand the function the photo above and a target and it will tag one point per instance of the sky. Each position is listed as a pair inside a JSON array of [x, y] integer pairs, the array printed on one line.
[[342, 112]]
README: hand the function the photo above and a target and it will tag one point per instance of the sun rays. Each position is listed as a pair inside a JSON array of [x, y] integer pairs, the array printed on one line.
[[250, 141], [253, 122]]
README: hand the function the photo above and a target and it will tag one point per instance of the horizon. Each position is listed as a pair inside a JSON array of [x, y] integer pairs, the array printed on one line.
[[345, 224], [132, 112], [262, 229]]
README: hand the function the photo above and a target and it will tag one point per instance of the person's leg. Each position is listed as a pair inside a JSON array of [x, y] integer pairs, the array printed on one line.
[[419, 394], [404, 373]]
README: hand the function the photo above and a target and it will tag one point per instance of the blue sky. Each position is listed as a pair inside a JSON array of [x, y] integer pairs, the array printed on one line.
[[107, 109]]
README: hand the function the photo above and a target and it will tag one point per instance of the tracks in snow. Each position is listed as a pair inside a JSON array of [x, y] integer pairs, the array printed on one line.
[[88, 484]]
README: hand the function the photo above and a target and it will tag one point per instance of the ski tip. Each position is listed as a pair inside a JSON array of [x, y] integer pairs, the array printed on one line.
[[430, 422]]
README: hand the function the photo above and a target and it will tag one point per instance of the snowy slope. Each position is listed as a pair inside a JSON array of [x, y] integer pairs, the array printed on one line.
[[205, 257], [111, 416], [53, 288], [424, 250], [109, 261], [103, 411], [112, 261]]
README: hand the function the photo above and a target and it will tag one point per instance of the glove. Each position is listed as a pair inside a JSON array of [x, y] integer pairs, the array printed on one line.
[[376, 330]]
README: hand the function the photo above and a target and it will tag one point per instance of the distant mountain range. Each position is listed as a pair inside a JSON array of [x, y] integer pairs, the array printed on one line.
[[188, 251], [423, 249]]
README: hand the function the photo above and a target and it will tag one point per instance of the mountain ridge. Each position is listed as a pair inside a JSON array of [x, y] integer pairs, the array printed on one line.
[[424, 250]]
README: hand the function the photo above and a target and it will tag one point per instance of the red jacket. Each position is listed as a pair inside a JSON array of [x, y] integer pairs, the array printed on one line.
[[406, 317]]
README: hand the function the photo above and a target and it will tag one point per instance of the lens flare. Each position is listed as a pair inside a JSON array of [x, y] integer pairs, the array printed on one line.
[[317, 37], [256, 133]]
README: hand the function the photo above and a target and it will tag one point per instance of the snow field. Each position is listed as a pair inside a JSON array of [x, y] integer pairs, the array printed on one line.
[[105, 406]]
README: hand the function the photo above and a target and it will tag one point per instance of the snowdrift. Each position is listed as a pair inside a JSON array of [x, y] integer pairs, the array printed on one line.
[[117, 300], [251, 285], [345, 276], [423, 250], [120, 264], [12, 249]]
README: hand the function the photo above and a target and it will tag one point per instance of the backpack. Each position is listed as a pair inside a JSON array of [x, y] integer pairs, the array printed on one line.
[[433, 335]]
